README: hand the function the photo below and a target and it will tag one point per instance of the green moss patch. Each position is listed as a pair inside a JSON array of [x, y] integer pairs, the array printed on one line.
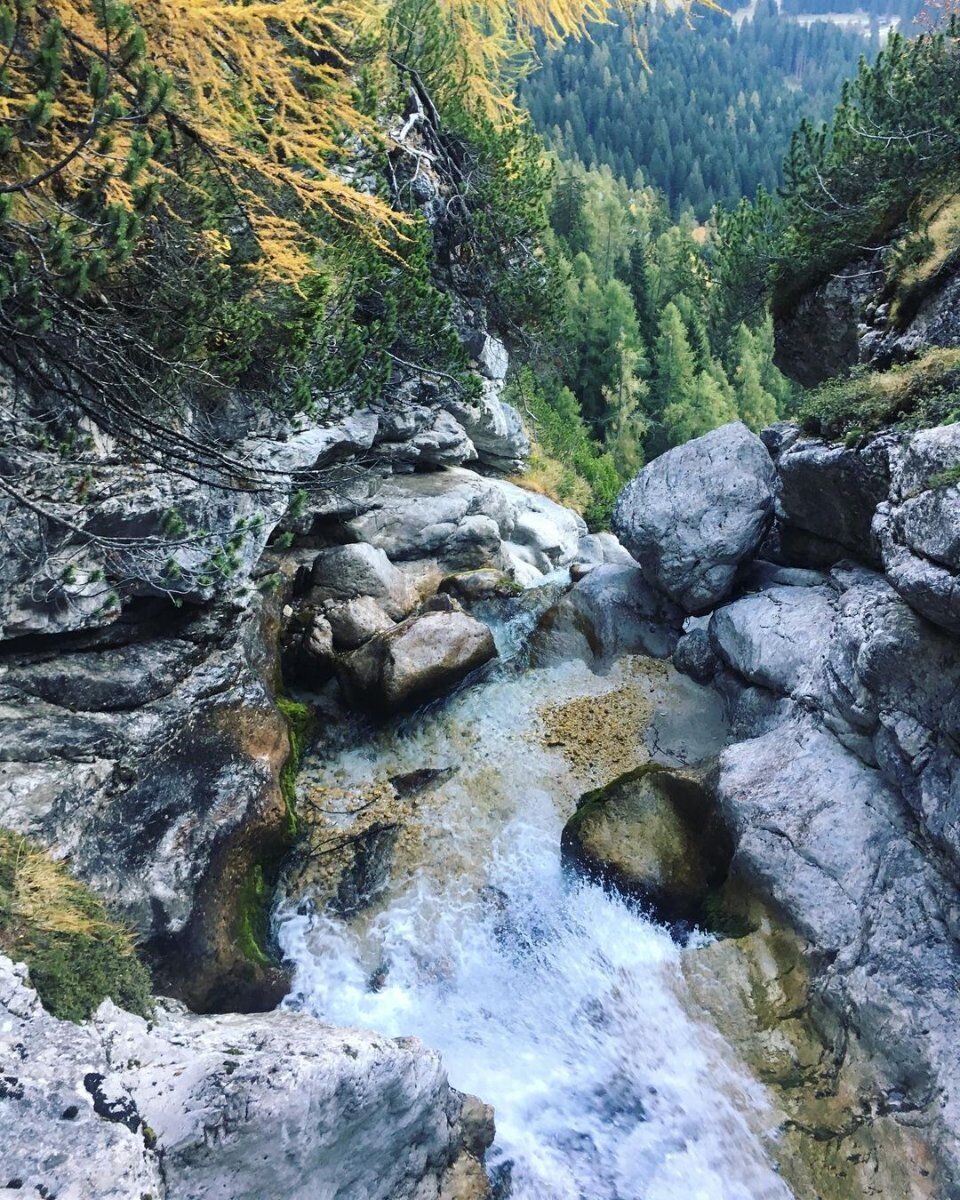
[[76, 954], [254, 897], [253, 917], [300, 719]]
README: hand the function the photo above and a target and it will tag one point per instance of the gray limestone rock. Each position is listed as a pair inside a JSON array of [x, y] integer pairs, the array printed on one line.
[[919, 528], [822, 838], [693, 515], [227, 1108], [832, 492], [609, 612], [359, 569], [420, 659]]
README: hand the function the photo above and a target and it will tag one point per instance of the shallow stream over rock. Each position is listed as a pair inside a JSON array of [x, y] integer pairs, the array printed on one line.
[[547, 996]]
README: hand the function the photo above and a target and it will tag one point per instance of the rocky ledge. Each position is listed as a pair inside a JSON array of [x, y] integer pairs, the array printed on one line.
[[236, 1107], [840, 792]]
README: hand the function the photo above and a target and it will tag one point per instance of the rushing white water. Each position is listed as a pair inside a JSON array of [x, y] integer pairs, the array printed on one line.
[[549, 998]]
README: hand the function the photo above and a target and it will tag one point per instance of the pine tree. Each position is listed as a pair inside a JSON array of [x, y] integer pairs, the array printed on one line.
[[568, 214], [704, 409], [639, 280], [757, 406]]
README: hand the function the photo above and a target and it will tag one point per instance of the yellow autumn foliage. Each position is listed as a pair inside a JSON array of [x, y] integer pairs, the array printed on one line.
[[264, 90]]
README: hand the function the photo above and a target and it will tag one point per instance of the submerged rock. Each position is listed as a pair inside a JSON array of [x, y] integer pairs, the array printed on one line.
[[232, 1107], [420, 659], [654, 834], [693, 515]]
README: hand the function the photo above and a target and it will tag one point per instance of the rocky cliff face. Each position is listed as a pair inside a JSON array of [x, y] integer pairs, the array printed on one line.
[[841, 675], [859, 317]]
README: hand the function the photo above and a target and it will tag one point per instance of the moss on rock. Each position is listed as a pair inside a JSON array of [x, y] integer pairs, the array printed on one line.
[[299, 718]]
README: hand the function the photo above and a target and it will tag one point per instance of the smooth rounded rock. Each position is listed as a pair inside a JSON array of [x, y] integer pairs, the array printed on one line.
[[654, 834], [359, 569], [693, 515], [420, 659]]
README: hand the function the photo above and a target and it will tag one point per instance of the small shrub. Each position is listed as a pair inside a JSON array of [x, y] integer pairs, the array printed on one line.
[[916, 394], [944, 479]]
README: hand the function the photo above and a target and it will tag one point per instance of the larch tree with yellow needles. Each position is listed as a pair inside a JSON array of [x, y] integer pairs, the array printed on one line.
[[196, 194]]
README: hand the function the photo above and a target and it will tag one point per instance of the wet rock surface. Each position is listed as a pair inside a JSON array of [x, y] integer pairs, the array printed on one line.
[[656, 835], [153, 763], [611, 611]]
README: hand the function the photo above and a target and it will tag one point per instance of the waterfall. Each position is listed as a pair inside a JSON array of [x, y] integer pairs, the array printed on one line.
[[549, 997]]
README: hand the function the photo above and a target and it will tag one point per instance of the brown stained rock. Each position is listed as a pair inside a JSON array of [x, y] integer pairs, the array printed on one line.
[[601, 736], [835, 1142], [209, 965], [422, 658], [655, 834]]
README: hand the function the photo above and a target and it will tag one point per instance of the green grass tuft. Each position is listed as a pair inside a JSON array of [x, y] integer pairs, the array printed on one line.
[[75, 953]]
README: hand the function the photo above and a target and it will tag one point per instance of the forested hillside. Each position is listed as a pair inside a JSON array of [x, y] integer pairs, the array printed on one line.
[[712, 118], [869, 207], [648, 354]]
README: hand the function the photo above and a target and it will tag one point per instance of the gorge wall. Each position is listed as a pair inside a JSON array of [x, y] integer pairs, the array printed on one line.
[[811, 584]]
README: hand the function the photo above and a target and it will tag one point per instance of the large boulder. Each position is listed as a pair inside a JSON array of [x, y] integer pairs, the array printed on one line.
[[611, 611], [226, 1108], [919, 528], [777, 638], [355, 621], [359, 569], [693, 515], [654, 834], [420, 659]]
